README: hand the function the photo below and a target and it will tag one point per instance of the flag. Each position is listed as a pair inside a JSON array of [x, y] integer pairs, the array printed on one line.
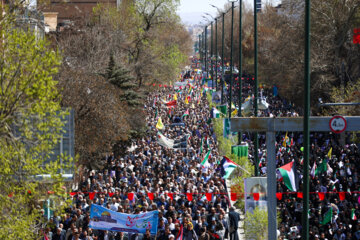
[[285, 140], [175, 97], [202, 146], [180, 233], [240, 151], [313, 170], [185, 114], [205, 162], [164, 141], [171, 103], [288, 174], [216, 113], [329, 153], [186, 100], [353, 215], [322, 167], [159, 124], [327, 217], [156, 113], [234, 113], [227, 167]]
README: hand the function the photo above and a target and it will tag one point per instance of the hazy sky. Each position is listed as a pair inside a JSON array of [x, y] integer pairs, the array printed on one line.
[[191, 11]]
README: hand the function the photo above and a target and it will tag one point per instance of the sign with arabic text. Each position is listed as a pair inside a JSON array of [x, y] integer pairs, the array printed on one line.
[[104, 219]]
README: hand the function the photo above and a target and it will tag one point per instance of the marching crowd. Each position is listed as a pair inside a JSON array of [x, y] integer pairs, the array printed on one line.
[[169, 174], [179, 183]]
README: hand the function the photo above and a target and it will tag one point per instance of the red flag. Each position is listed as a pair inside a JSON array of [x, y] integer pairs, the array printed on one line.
[[321, 196], [356, 37], [256, 196], [111, 194], [208, 196], [154, 84], [130, 196], [300, 195], [171, 196], [179, 236], [160, 85], [171, 103], [50, 192], [45, 236], [233, 196], [73, 193], [11, 194], [189, 196], [151, 196], [279, 196], [91, 195], [342, 196]]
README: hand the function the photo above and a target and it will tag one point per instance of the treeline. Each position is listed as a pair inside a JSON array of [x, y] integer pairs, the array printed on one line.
[[109, 61], [335, 59]]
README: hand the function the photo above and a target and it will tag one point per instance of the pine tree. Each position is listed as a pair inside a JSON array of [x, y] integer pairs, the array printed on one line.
[[121, 77]]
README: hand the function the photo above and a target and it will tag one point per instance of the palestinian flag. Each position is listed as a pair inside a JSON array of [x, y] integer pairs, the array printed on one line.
[[227, 167], [327, 217], [185, 114], [205, 162], [353, 215], [288, 174]]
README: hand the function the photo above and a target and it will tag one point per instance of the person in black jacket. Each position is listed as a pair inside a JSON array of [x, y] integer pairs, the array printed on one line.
[[234, 219]]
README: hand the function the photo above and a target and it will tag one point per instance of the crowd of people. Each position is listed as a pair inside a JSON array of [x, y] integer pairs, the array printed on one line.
[[334, 157], [151, 167]]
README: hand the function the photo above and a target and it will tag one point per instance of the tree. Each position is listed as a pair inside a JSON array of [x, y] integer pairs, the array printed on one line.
[[30, 125]]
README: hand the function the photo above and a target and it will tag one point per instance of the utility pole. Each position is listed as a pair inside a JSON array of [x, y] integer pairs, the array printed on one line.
[[216, 54], [240, 67], [222, 57]]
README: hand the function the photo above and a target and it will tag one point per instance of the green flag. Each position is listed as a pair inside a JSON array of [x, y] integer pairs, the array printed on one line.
[[327, 217], [321, 168], [241, 151], [202, 146], [205, 162]]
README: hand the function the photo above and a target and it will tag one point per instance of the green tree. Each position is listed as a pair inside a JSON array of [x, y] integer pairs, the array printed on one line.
[[30, 125], [255, 224]]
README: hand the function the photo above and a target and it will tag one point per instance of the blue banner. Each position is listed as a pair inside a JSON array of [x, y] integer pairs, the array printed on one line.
[[104, 219]]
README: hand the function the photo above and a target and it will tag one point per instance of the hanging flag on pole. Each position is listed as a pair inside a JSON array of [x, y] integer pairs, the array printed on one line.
[[288, 174], [353, 215]]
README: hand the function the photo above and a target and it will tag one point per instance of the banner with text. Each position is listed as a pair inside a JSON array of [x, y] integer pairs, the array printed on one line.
[[104, 219]]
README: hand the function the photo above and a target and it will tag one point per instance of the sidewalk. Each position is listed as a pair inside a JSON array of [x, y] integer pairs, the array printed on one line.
[[242, 217]]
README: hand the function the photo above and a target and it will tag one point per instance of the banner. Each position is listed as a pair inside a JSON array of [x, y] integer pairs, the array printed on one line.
[[104, 219], [255, 185]]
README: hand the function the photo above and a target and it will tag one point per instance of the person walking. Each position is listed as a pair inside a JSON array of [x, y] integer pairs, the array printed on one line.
[[234, 219]]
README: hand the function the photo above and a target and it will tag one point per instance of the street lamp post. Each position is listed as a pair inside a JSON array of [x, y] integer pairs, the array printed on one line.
[[199, 47], [211, 53], [240, 67], [256, 143], [216, 54], [231, 54], [222, 57], [206, 67]]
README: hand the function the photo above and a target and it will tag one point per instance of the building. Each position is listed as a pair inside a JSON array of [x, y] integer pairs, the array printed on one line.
[[60, 14]]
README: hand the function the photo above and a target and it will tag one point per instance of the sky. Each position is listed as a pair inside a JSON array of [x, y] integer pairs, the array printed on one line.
[[191, 11]]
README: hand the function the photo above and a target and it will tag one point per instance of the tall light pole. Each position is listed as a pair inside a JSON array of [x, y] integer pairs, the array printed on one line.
[[211, 55], [305, 219], [256, 143], [240, 67], [222, 57], [231, 54], [206, 68], [216, 55]]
